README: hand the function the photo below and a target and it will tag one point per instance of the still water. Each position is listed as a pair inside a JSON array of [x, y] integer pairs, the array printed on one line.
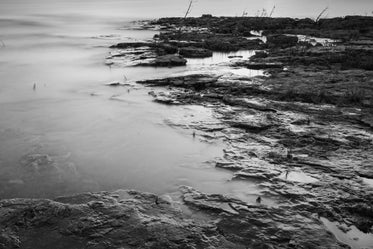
[[63, 131]]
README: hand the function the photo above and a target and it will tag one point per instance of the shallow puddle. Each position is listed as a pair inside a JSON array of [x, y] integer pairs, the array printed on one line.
[[297, 176], [220, 57], [315, 40], [257, 35], [354, 237], [218, 64]]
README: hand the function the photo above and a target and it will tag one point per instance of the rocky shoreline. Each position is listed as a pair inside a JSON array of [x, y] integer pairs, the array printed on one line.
[[131, 219], [303, 132]]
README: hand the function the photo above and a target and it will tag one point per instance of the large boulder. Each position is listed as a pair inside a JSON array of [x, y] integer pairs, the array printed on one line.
[[193, 52]]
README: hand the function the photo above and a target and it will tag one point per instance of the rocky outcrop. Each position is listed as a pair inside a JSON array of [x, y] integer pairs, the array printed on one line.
[[170, 60], [195, 81], [131, 219], [210, 41], [161, 48], [193, 52], [259, 226], [346, 28], [122, 219], [133, 44], [257, 65], [281, 41], [301, 133]]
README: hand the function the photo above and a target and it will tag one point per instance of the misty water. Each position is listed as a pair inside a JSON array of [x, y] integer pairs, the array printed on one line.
[[63, 130]]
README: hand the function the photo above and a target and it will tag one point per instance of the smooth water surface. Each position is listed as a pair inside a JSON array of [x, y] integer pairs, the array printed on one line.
[[62, 130]]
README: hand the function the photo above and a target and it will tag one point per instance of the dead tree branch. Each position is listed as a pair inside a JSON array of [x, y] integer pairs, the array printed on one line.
[[321, 14], [273, 10], [189, 9], [264, 13], [185, 16]]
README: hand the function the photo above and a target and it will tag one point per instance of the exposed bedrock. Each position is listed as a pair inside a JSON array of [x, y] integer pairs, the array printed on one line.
[[193, 52], [131, 219]]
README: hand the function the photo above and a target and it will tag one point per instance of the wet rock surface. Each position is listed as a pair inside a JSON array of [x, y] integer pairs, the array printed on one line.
[[302, 133], [193, 52], [281, 41], [131, 219], [311, 156], [166, 61]]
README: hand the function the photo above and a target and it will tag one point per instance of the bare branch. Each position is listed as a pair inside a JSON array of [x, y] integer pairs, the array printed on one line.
[[273, 10], [189, 9], [186, 15], [321, 14], [264, 13]]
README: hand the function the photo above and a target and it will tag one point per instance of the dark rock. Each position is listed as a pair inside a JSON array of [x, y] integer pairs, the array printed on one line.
[[169, 61], [349, 27], [133, 45], [115, 83], [166, 61], [367, 120], [258, 226], [358, 58], [165, 48], [251, 125], [227, 44], [121, 219], [235, 56], [193, 52], [195, 81], [229, 166], [281, 41], [258, 65]]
